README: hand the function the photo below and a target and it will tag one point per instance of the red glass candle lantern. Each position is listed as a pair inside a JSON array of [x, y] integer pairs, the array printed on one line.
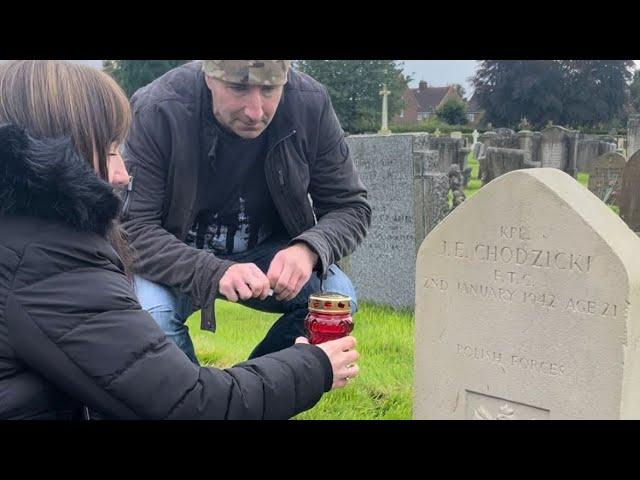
[[329, 317]]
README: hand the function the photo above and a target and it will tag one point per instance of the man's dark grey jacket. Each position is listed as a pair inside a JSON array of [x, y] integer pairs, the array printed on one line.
[[311, 177]]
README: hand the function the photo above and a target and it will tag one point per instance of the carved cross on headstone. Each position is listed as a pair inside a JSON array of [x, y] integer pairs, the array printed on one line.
[[385, 127]]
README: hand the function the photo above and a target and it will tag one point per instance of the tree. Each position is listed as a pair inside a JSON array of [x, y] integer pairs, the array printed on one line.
[[509, 90], [453, 111], [459, 90], [133, 74], [569, 92], [354, 87], [596, 91]]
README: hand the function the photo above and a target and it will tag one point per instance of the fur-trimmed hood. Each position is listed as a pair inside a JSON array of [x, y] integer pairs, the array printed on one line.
[[48, 179]]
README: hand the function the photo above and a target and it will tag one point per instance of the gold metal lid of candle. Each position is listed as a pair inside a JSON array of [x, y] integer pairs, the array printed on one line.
[[329, 303]]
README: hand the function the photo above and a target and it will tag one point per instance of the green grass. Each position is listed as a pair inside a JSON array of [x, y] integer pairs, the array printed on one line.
[[474, 183], [382, 391], [583, 178]]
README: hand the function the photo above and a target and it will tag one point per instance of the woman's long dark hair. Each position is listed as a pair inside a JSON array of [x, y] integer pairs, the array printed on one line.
[[53, 98]]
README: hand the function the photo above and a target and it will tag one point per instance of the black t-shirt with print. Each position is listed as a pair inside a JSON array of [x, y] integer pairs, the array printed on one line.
[[235, 209]]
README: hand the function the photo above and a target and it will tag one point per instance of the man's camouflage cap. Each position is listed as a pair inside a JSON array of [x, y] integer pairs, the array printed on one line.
[[249, 72]]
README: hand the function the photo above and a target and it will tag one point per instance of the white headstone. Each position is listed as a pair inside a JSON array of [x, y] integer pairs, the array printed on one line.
[[475, 136], [528, 306]]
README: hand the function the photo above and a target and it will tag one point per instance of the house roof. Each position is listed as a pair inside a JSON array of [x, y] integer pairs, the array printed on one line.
[[429, 98]]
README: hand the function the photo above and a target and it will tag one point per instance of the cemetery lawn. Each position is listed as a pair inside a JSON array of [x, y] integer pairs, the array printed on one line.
[[382, 391], [474, 182]]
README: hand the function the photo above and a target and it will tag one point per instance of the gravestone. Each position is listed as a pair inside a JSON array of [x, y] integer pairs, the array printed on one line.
[[421, 141], [536, 149], [605, 177], [554, 150], [506, 150], [408, 196], [527, 306], [498, 161], [525, 142], [430, 198], [633, 135], [504, 138], [456, 135], [504, 132], [589, 150], [449, 150], [629, 201]]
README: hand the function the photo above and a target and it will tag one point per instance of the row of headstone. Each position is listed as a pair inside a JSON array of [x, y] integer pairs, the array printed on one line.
[[527, 306], [498, 161], [589, 150], [555, 147], [616, 181], [408, 185], [468, 140]]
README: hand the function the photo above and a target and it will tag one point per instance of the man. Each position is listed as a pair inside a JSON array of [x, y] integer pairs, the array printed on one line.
[[242, 188]]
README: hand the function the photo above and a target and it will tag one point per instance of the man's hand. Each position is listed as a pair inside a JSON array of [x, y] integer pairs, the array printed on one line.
[[244, 281], [290, 270]]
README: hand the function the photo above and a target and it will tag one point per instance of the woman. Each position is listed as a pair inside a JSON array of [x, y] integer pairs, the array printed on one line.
[[72, 334]]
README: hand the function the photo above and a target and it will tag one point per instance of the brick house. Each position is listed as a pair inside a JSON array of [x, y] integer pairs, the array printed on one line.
[[422, 102], [474, 113]]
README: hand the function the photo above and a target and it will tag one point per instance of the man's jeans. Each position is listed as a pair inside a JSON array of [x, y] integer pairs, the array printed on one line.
[[170, 309]]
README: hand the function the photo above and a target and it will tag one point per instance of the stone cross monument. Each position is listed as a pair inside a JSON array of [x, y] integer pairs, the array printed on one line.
[[385, 128], [475, 136]]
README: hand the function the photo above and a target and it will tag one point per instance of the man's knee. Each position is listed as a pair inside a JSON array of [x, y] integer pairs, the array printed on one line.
[[152, 296], [338, 281]]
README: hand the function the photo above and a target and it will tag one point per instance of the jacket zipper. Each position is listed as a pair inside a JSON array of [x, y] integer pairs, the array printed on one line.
[[127, 200], [280, 179], [280, 174]]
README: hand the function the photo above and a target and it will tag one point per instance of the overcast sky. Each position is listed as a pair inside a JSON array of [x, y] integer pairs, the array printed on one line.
[[436, 73]]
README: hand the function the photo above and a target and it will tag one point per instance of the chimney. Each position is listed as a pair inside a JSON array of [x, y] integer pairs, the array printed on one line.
[[422, 86]]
